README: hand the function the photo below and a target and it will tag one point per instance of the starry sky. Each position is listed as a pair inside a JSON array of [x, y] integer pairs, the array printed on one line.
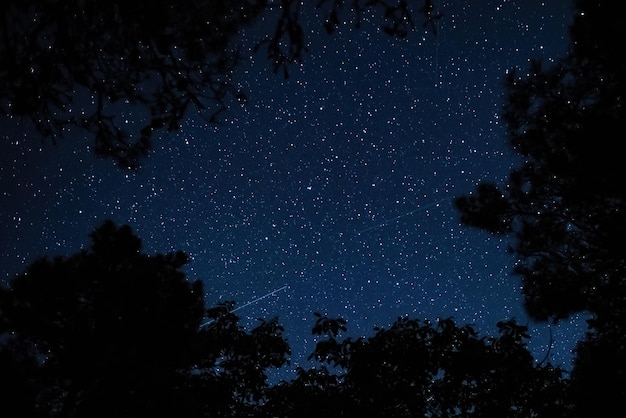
[[330, 191]]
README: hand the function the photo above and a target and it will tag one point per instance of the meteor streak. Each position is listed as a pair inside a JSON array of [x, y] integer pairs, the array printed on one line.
[[388, 221], [252, 302], [259, 298]]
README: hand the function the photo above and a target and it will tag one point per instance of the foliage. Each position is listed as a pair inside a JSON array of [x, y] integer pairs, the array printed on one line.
[[96, 65], [60, 57], [422, 369], [598, 378], [565, 205], [111, 331]]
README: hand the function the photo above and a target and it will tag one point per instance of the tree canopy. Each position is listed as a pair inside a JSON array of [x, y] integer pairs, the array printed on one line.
[[96, 64], [565, 205], [419, 368], [111, 331]]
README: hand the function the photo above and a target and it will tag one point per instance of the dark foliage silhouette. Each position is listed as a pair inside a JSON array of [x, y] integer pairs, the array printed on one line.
[[422, 369], [98, 65], [565, 204], [111, 331], [81, 64]]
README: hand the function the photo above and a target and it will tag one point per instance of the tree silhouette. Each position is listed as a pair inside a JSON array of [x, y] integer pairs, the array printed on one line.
[[565, 205], [97, 65], [111, 331], [422, 369]]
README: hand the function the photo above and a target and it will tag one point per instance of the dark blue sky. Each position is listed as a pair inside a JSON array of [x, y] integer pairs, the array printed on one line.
[[337, 182]]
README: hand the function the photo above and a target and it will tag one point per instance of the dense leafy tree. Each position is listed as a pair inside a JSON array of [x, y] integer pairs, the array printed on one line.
[[111, 331], [422, 369], [598, 378], [19, 387], [97, 64], [565, 205]]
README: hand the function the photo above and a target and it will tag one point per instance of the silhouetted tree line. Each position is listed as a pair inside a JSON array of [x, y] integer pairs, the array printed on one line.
[[91, 64], [111, 331]]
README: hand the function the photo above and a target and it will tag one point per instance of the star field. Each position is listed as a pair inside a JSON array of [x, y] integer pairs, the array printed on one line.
[[337, 182]]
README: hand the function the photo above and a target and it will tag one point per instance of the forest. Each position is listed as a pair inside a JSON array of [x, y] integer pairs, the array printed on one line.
[[82, 335]]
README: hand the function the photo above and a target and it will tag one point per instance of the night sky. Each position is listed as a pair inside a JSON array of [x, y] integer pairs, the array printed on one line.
[[336, 183]]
